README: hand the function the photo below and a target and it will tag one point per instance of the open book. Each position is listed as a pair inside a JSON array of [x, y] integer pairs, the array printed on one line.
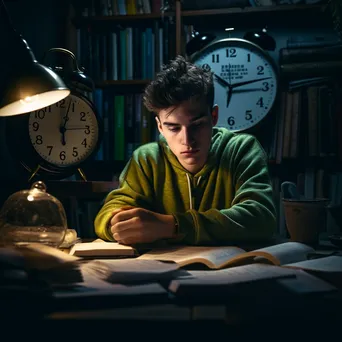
[[287, 254], [228, 256]]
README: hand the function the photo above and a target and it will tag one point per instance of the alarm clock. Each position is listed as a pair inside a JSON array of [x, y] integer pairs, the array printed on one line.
[[245, 81], [57, 141]]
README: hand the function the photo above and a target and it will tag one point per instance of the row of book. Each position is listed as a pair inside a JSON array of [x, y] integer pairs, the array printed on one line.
[[127, 124], [318, 60], [112, 55], [307, 124], [92, 8]]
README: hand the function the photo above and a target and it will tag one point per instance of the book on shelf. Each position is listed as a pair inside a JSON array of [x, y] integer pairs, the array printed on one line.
[[302, 70], [312, 54]]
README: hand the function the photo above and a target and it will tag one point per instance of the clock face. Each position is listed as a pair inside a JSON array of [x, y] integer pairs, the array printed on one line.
[[65, 133], [245, 81]]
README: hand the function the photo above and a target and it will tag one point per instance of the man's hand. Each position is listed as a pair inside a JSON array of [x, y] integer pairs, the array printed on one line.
[[130, 226]]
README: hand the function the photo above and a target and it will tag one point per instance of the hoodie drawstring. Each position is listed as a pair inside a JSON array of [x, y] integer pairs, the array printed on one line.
[[189, 188]]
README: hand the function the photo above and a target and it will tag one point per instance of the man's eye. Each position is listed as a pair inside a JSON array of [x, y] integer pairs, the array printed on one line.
[[174, 129], [198, 124]]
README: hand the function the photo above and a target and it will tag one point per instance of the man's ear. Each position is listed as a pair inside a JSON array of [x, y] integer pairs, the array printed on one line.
[[160, 128], [214, 114]]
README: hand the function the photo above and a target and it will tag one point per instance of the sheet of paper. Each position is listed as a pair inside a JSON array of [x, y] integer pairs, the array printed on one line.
[[238, 274]]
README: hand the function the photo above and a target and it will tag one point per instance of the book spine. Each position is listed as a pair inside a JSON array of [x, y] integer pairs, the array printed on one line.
[[299, 55], [301, 70]]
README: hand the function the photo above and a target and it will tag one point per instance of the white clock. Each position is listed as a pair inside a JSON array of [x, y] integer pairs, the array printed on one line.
[[56, 141], [65, 133], [245, 78]]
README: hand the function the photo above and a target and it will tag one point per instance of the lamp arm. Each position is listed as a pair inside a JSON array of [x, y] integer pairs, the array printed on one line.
[[5, 13], [22, 48]]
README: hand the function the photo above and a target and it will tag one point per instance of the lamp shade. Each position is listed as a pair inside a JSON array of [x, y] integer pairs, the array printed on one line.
[[31, 87]]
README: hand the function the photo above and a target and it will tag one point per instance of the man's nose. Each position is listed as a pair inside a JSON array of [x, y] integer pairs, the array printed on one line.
[[188, 138]]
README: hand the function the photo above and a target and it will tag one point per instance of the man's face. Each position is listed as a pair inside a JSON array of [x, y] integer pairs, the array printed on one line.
[[187, 129]]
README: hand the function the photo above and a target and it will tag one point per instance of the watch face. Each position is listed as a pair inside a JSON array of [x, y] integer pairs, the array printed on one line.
[[65, 133], [245, 81]]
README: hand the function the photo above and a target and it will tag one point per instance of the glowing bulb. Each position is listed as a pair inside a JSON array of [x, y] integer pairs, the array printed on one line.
[[29, 99]]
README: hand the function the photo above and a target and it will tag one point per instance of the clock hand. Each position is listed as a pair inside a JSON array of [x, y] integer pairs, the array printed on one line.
[[226, 84], [62, 129], [66, 118], [229, 74], [74, 128], [229, 96], [222, 81], [239, 84]]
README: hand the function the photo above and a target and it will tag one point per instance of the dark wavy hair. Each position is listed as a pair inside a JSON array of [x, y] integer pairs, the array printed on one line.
[[179, 81]]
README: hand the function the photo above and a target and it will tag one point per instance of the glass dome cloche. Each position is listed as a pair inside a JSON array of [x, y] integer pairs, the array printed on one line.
[[33, 216]]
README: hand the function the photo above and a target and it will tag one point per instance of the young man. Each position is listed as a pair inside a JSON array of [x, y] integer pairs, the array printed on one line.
[[198, 184]]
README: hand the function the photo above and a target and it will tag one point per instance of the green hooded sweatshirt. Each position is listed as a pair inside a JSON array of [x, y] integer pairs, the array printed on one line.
[[229, 199]]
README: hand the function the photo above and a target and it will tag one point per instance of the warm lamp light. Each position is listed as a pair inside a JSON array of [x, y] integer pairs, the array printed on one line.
[[30, 85]]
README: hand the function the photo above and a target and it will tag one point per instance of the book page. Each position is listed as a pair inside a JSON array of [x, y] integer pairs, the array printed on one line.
[[213, 257], [230, 276], [330, 264], [101, 248], [131, 270], [284, 253]]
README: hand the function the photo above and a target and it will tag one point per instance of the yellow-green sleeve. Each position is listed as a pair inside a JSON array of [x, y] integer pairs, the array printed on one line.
[[134, 190]]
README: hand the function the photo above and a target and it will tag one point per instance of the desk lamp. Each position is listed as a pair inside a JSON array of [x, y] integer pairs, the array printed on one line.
[[29, 215], [29, 85]]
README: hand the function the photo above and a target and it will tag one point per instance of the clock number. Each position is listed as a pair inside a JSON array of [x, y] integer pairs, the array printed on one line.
[[62, 155], [206, 67], [260, 69], [266, 86], [231, 121], [248, 115], [231, 53], [39, 139], [35, 126], [39, 114], [260, 102], [248, 57], [61, 104], [47, 109], [82, 116], [215, 58], [84, 142], [50, 149], [74, 152], [87, 130]]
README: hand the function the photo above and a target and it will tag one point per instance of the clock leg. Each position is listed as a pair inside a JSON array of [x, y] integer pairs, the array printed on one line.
[[80, 171], [34, 173]]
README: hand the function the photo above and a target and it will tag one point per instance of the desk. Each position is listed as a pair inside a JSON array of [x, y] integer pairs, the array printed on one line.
[[246, 313], [265, 307]]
